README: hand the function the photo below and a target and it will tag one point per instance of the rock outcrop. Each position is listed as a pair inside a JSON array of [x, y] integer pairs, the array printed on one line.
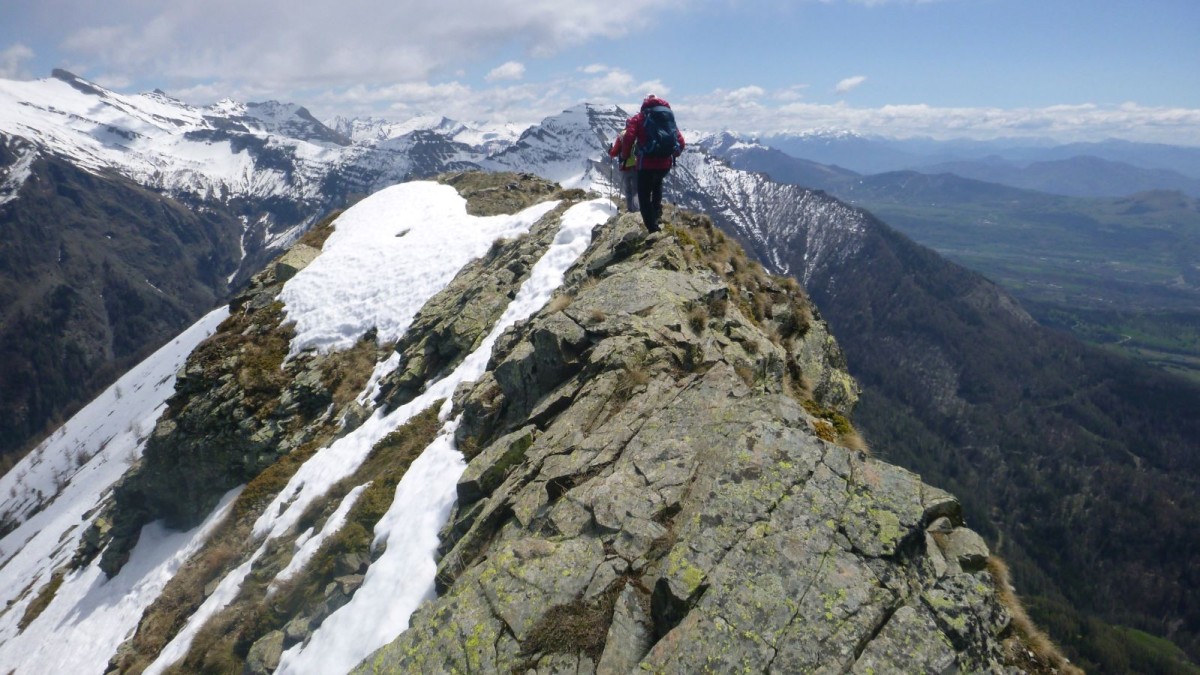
[[659, 480]]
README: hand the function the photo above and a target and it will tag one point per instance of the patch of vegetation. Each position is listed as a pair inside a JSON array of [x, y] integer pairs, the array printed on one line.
[[1169, 340], [833, 426], [345, 373], [632, 378], [559, 302], [1040, 652], [317, 234], [226, 639], [41, 601], [491, 194], [579, 627], [1096, 646], [262, 489]]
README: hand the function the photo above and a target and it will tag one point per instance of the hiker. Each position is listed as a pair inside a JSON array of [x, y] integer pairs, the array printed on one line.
[[658, 144], [628, 163]]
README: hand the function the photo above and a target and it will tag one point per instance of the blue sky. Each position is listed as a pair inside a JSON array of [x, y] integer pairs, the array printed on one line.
[[1068, 69]]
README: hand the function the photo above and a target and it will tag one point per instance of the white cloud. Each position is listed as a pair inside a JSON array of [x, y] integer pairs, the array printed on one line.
[[291, 44], [512, 70], [790, 94], [11, 60], [711, 112], [745, 94], [849, 84], [614, 84]]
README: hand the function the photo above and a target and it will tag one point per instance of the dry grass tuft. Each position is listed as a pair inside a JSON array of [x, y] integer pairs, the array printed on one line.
[[631, 379], [317, 234], [559, 302], [747, 375], [1044, 652], [579, 627]]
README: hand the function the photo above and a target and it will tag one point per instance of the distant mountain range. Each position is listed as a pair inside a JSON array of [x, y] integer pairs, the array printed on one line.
[[1120, 272], [1081, 176], [1106, 169]]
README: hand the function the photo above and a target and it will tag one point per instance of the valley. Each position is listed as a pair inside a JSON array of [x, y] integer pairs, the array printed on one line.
[[1123, 274]]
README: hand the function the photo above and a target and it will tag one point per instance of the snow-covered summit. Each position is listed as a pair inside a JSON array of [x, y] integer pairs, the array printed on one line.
[[163, 143], [374, 131], [569, 148]]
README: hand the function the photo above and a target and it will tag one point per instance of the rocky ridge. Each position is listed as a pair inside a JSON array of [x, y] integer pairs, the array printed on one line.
[[655, 482], [662, 476]]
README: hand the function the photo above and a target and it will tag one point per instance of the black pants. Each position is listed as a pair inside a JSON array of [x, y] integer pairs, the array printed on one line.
[[650, 196]]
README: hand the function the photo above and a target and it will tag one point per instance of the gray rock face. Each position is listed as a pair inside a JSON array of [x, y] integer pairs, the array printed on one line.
[[454, 321], [652, 487]]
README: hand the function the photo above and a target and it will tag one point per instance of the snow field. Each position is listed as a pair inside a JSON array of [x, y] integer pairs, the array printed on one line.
[[89, 615], [387, 256]]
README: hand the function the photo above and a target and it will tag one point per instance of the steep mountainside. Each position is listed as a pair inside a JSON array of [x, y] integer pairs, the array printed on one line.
[[781, 167], [1118, 273], [94, 270], [585, 448], [127, 217], [1082, 464]]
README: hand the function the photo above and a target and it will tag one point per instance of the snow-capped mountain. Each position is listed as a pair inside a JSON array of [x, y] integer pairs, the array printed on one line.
[[571, 149], [175, 205], [226, 151], [274, 168], [372, 131]]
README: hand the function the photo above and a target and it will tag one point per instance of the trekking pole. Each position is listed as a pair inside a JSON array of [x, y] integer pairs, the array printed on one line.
[[612, 183], [612, 180]]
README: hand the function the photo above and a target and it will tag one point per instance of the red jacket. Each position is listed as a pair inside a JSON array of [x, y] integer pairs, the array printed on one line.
[[634, 130]]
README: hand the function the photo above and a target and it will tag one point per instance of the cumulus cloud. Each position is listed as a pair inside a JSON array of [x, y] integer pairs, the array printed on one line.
[[615, 84], [12, 60], [745, 95], [849, 84], [513, 70], [308, 43]]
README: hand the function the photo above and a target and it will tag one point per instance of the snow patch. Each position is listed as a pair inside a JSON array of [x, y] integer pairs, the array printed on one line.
[[368, 277]]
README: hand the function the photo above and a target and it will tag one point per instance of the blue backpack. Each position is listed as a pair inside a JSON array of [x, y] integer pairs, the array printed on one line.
[[662, 136]]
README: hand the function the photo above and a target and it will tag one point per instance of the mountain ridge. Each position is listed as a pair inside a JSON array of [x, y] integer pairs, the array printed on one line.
[[577, 434]]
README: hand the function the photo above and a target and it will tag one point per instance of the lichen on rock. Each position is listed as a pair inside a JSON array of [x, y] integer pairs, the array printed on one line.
[[645, 453]]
